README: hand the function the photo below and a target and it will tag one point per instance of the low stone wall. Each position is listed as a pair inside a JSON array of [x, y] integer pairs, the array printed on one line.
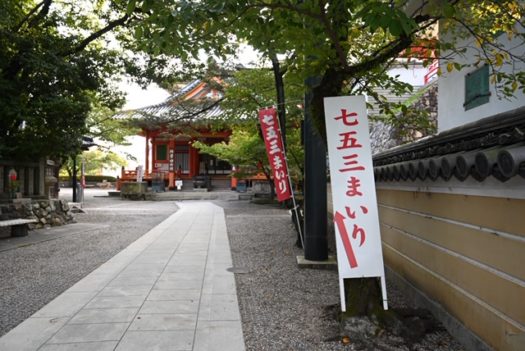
[[48, 212]]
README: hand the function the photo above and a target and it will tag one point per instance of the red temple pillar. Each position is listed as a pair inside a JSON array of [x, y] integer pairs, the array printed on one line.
[[194, 162], [147, 154]]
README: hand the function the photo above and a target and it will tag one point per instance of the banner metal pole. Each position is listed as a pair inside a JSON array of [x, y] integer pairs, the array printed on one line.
[[295, 207]]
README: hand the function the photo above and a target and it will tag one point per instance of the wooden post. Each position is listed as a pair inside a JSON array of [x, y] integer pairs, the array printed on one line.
[[194, 162]]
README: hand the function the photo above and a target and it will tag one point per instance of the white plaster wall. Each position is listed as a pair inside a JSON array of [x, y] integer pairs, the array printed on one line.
[[451, 96], [414, 75]]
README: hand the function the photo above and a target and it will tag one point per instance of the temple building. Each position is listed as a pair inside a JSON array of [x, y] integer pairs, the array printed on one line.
[[171, 128]]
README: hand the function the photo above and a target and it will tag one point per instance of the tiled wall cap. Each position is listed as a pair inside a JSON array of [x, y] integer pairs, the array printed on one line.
[[510, 160]]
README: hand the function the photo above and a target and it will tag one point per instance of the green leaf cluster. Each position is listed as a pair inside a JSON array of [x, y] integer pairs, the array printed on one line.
[[57, 62], [95, 161], [347, 45]]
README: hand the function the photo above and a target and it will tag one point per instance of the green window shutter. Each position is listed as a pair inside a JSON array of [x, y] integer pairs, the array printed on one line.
[[477, 90], [162, 152]]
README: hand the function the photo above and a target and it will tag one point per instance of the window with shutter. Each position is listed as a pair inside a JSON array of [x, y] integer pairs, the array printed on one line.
[[162, 152], [477, 91]]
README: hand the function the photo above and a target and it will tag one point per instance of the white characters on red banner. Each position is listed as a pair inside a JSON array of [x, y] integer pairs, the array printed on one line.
[[275, 152]]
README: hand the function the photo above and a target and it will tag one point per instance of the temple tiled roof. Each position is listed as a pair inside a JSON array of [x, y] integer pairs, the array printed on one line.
[[493, 146], [196, 101]]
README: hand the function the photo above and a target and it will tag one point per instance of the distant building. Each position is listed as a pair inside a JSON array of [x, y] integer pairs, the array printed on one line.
[[469, 95], [171, 127], [452, 211], [38, 179], [423, 79]]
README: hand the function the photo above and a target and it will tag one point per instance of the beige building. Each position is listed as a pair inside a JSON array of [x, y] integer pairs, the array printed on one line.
[[452, 214]]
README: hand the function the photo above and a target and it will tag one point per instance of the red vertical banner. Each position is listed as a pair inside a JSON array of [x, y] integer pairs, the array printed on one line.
[[275, 152]]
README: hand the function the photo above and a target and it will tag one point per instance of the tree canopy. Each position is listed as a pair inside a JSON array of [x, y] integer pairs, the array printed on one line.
[[57, 58], [57, 62], [95, 161], [346, 45]]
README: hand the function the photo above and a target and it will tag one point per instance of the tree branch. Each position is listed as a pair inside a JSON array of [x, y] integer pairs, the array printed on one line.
[[94, 36], [43, 13], [288, 7], [401, 44], [333, 36], [26, 18], [483, 39]]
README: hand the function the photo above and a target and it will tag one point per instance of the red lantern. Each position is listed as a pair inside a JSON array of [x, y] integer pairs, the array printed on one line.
[[12, 175]]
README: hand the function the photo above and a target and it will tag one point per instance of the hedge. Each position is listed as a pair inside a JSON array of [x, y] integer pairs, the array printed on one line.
[[91, 178]]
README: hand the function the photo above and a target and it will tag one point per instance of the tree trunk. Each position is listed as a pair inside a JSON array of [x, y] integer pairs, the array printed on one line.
[[363, 298]]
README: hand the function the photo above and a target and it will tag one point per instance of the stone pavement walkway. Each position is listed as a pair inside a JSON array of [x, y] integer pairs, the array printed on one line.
[[169, 290]]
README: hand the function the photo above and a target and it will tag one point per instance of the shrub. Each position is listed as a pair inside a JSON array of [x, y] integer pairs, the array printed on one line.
[[90, 178]]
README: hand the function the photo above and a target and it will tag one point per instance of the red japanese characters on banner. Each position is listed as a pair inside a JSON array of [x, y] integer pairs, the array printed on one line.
[[275, 152], [355, 211]]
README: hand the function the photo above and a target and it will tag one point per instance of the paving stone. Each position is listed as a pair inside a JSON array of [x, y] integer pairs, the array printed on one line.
[[133, 290], [131, 280], [31, 333], [181, 276], [149, 303], [85, 346], [219, 336], [78, 333], [111, 315], [164, 322], [179, 284], [178, 306], [33, 275], [183, 268], [92, 283], [157, 340], [214, 307], [115, 302], [65, 305], [223, 284], [170, 295]]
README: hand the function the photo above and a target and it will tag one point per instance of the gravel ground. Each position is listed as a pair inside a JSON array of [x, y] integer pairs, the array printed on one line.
[[31, 276], [284, 307]]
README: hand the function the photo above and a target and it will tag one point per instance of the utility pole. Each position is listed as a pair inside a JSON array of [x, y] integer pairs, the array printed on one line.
[[74, 180], [315, 208]]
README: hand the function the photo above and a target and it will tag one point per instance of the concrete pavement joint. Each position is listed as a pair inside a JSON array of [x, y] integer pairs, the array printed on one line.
[[152, 286], [176, 214], [122, 305]]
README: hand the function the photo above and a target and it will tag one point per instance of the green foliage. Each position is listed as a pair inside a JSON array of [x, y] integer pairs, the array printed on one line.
[[101, 124], [482, 28], [95, 161], [56, 66], [245, 150], [91, 178], [348, 45], [249, 90]]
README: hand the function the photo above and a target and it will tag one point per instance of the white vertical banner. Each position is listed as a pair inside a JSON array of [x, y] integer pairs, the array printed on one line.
[[140, 173], [358, 239]]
